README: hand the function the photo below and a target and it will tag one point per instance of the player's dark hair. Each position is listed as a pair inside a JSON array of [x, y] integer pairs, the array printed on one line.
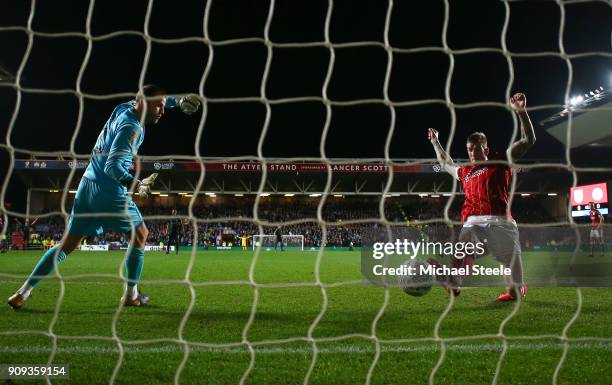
[[151, 90], [477, 138]]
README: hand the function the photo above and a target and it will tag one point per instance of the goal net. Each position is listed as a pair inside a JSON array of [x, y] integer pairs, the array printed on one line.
[[343, 89], [269, 242]]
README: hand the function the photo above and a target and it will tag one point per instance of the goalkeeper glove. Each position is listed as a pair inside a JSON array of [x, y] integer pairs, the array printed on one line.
[[189, 104], [144, 186]]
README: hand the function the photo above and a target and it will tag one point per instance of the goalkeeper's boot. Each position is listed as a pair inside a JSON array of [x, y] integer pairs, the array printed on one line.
[[16, 301], [510, 295], [140, 300]]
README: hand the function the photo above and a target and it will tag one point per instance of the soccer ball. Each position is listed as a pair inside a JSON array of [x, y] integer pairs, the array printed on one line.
[[416, 284]]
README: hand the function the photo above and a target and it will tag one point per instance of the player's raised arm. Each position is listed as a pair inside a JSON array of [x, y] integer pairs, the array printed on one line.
[[446, 162], [517, 150]]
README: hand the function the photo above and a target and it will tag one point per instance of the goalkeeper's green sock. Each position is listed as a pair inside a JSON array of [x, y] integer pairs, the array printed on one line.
[[43, 268], [133, 267]]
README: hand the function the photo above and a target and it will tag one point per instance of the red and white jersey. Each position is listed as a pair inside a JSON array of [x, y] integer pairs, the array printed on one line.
[[486, 188], [596, 218]]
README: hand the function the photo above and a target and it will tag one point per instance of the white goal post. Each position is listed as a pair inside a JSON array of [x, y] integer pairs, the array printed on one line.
[[269, 241]]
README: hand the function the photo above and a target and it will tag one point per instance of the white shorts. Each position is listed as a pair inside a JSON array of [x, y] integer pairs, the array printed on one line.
[[499, 235], [596, 233]]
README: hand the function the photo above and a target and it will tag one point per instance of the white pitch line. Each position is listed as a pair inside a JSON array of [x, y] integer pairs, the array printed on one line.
[[307, 350]]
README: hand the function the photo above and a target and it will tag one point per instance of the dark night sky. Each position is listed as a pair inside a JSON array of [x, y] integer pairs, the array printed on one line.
[[47, 122]]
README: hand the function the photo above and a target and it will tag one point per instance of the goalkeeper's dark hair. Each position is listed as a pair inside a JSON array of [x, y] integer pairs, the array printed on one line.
[[152, 90], [477, 138]]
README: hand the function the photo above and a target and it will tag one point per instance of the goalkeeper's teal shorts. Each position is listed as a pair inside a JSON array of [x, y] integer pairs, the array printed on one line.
[[98, 208]]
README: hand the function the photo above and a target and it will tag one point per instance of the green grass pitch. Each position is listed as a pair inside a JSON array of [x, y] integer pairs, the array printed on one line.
[[278, 332]]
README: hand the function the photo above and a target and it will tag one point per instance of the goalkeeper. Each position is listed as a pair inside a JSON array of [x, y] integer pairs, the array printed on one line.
[[102, 201]]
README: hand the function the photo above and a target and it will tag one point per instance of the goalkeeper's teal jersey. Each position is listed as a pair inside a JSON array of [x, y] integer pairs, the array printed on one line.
[[103, 189], [119, 141]]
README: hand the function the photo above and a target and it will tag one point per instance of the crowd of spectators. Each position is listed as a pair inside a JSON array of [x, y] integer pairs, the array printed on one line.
[[344, 220]]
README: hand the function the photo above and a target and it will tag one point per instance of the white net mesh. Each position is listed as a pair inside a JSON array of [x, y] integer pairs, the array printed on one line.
[[210, 44]]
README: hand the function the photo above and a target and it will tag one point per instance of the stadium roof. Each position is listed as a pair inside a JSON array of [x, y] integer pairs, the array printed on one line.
[[590, 123]]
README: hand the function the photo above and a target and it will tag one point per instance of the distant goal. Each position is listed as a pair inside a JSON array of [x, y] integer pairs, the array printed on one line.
[[268, 242]]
